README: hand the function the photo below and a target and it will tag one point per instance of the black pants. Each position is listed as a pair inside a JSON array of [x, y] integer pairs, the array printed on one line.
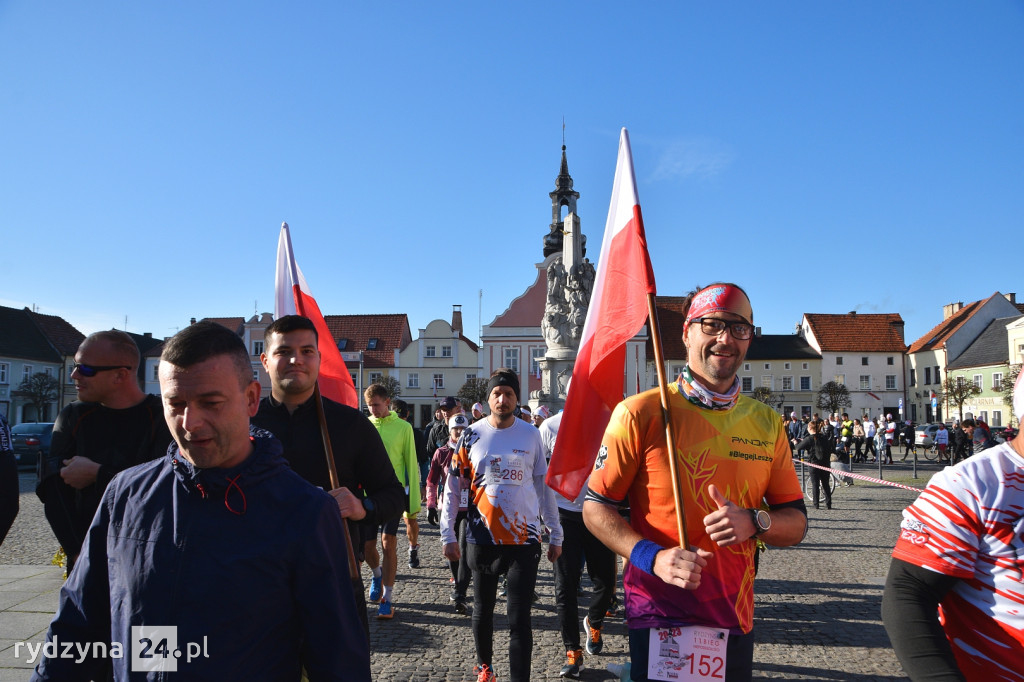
[[460, 569], [820, 478], [520, 562], [739, 653], [8, 492], [69, 513], [577, 543]]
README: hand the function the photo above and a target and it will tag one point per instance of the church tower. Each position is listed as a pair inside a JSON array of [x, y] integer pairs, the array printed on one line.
[[564, 195]]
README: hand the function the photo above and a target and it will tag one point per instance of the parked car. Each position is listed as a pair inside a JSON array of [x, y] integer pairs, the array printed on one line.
[[31, 441], [924, 435], [1001, 434]]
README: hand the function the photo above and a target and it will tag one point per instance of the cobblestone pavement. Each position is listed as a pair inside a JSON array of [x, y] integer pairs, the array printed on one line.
[[817, 614]]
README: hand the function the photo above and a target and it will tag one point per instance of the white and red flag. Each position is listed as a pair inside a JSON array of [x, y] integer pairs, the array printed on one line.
[[293, 297], [618, 310]]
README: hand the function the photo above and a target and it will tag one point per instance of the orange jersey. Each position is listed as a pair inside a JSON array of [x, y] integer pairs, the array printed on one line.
[[742, 450]]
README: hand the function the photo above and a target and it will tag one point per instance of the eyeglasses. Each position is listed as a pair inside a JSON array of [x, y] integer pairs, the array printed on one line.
[[712, 326], [93, 370]]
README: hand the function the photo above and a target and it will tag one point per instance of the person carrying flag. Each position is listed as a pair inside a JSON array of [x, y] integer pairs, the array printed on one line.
[[732, 454]]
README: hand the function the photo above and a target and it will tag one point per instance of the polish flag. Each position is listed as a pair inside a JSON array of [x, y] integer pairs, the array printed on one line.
[[293, 297], [618, 310]]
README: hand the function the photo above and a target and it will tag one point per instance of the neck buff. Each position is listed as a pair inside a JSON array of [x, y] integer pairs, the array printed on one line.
[[701, 396], [719, 298]]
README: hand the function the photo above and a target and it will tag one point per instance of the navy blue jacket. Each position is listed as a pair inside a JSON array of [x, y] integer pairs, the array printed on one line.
[[245, 557]]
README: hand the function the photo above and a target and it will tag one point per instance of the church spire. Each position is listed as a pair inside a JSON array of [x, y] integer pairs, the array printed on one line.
[[564, 195]]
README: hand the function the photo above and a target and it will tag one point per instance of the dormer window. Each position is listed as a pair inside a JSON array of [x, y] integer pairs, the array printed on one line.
[[342, 344], [371, 344]]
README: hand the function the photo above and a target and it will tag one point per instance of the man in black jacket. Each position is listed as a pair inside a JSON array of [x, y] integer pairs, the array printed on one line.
[[369, 493]]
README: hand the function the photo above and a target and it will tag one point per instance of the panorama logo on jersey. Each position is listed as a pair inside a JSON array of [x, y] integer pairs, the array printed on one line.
[[602, 457]]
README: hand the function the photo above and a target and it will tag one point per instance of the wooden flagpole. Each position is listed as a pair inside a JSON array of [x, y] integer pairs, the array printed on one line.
[[666, 413], [353, 567]]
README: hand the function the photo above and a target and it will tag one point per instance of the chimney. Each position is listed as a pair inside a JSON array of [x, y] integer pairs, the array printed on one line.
[[1011, 297], [147, 335], [193, 321], [951, 309], [457, 318]]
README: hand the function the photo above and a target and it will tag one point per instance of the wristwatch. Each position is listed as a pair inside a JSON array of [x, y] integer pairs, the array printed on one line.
[[762, 521]]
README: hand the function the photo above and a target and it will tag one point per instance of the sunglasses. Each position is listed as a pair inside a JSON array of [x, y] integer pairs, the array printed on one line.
[[93, 370], [713, 326]]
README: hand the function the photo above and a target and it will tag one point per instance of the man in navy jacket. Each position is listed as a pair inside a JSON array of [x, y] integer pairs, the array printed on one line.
[[218, 550]]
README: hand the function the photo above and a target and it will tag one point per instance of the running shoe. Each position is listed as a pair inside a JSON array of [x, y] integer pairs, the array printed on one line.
[[460, 606], [414, 557], [573, 664], [385, 611], [484, 673], [613, 607], [594, 641], [376, 589]]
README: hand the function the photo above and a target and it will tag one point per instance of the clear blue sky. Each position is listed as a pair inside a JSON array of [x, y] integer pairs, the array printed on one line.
[[828, 156]]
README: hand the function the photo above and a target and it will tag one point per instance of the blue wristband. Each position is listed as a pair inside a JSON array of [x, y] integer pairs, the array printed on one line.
[[643, 555]]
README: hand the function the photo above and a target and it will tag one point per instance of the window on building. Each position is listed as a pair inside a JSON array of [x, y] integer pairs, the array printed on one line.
[[865, 382], [471, 376], [446, 351], [71, 368], [938, 378], [913, 377], [372, 344], [156, 372], [890, 361], [788, 410], [255, 374], [375, 377], [48, 371], [430, 352], [927, 376], [676, 371], [512, 359], [5, 368], [979, 381], [997, 381], [997, 418], [536, 355], [746, 366], [890, 382], [788, 365], [983, 416], [787, 385], [767, 365], [413, 380], [438, 381], [960, 382], [766, 381], [355, 379], [746, 384], [805, 383], [864, 360], [804, 366], [839, 359], [257, 347], [342, 344], [26, 372], [840, 379]]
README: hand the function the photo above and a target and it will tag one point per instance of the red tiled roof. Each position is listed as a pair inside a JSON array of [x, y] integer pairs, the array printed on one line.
[[938, 334], [868, 333], [670, 321], [235, 324], [528, 309], [65, 338], [391, 331]]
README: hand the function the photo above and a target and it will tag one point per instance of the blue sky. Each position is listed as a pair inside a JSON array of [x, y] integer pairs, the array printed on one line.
[[827, 156]]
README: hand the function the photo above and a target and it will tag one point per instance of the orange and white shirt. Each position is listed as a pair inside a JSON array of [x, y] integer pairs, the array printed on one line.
[[508, 499], [969, 523]]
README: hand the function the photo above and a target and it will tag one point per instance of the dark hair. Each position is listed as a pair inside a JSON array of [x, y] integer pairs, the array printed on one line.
[[966, 423], [290, 323], [204, 340], [400, 407], [121, 343]]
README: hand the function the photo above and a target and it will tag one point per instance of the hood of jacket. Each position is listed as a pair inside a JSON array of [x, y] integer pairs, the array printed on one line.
[[384, 421]]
